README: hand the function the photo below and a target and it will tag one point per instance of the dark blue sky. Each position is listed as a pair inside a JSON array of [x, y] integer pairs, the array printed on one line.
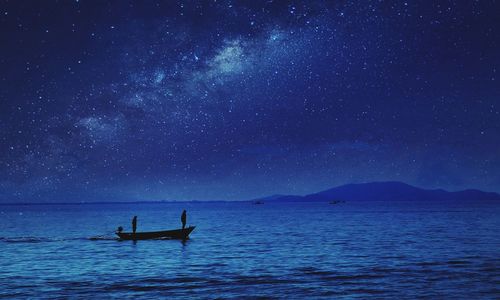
[[150, 100]]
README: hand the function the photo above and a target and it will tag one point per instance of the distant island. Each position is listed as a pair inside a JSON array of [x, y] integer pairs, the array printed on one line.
[[385, 191]]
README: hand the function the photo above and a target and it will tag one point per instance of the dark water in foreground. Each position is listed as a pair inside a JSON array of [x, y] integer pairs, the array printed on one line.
[[239, 250]]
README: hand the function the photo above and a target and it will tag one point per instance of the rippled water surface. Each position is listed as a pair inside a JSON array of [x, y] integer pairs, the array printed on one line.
[[239, 250]]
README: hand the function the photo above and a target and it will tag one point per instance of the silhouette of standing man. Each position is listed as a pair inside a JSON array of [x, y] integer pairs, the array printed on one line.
[[134, 224], [183, 219]]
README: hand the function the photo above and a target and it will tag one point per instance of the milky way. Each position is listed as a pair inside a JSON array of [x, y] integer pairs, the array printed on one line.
[[153, 100]]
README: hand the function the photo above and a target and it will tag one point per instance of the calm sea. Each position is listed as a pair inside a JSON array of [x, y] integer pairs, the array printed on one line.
[[240, 250]]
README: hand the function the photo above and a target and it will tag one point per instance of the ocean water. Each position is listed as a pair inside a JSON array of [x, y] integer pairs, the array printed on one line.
[[239, 250]]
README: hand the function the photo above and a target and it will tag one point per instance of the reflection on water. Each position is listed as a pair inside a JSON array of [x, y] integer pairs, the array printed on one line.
[[353, 250]]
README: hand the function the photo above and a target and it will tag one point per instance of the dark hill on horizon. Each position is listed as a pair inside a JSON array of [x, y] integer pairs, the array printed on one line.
[[386, 191], [373, 191]]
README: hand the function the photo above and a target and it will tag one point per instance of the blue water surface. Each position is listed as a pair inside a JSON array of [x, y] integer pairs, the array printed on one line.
[[359, 250]]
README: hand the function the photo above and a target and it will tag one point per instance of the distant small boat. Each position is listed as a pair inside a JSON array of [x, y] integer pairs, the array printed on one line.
[[258, 202], [180, 234], [336, 201]]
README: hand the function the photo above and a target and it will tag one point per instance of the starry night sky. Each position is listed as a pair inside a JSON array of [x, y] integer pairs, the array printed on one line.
[[152, 100]]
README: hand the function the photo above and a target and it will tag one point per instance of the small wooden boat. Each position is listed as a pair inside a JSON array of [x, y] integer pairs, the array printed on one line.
[[180, 234]]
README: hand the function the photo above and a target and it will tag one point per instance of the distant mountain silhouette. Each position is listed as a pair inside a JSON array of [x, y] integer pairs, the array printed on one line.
[[374, 191], [386, 191]]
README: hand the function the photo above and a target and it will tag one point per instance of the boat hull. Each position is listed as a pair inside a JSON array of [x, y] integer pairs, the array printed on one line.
[[180, 234]]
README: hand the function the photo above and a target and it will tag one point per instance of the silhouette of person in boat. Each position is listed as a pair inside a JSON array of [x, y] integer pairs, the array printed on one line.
[[134, 224], [183, 219]]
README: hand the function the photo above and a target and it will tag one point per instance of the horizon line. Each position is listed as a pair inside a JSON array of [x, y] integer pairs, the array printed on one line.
[[214, 201]]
